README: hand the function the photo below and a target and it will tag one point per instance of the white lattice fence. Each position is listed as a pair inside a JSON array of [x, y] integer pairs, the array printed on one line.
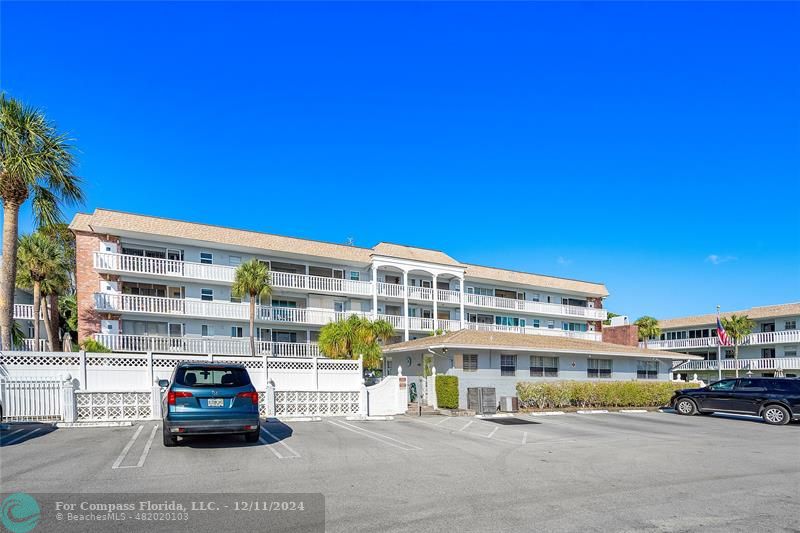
[[316, 403], [110, 406]]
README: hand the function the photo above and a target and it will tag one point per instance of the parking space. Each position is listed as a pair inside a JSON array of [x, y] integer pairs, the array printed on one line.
[[631, 470]]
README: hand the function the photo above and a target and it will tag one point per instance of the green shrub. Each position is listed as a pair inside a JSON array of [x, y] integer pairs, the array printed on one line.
[[554, 394], [447, 391], [91, 345]]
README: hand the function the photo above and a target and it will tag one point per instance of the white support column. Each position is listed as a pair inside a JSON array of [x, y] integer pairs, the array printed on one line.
[[435, 304], [405, 303], [374, 292], [461, 298]]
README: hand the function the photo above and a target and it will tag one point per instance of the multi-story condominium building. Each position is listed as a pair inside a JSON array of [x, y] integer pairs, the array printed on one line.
[[770, 348], [153, 284]]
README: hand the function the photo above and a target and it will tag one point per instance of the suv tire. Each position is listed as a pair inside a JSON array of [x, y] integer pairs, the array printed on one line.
[[685, 406], [775, 415], [253, 436], [169, 440]]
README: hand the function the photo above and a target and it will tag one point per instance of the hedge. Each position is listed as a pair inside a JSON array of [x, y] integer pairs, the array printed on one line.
[[447, 391], [543, 395]]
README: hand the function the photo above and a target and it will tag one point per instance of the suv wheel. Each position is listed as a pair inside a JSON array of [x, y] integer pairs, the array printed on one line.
[[169, 440], [253, 436], [777, 415], [685, 406]]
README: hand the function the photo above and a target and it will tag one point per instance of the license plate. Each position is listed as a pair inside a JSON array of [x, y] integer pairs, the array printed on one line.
[[216, 402]]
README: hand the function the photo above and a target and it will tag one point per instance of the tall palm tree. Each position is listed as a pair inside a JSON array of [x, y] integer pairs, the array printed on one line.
[[56, 284], [737, 327], [36, 161], [354, 336], [252, 279], [648, 328], [39, 258]]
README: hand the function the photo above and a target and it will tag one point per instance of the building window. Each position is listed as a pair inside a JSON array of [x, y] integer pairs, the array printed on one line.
[[790, 351], [234, 260], [573, 326], [206, 258], [544, 367], [206, 331], [536, 322], [237, 331], [207, 295], [551, 324], [647, 370], [470, 362], [599, 368], [767, 353], [790, 325], [729, 353], [354, 275], [236, 299], [508, 365], [509, 321], [535, 297]]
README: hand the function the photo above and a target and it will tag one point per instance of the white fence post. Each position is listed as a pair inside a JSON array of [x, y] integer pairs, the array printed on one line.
[[269, 398], [82, 362], [316, 373], [433, 400], [155, 400], [69, 408], [150, 370], [363, 400]]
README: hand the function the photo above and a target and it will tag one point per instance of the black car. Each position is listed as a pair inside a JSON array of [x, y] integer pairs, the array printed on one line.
[[776, 400]]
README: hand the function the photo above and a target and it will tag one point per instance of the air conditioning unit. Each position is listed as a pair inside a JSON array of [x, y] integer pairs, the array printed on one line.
[[509, 404]]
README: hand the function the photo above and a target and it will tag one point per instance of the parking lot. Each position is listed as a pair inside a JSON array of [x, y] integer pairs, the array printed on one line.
[[591, 472]]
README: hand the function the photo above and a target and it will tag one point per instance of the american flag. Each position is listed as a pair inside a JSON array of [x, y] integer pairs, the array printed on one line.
[[723, 337]]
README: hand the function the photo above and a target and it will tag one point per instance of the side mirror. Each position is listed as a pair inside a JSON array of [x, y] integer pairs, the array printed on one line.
[[163, 383]]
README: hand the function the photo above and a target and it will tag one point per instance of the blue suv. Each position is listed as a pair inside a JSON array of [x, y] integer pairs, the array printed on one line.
[[209, 399]]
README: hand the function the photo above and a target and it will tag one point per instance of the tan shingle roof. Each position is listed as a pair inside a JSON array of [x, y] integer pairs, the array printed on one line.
[[415, 254], [108, 221], [755, 313], [473, 339], [104, 220], [538, 280]]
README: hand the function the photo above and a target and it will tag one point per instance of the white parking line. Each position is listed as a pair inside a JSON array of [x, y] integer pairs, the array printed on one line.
[[490, 435], [127, 448], [294, 455], [378, 436], [468, 424], [145, 451], [440, 422], [28, 434], [5, 438], [524, 437], [467, 433]]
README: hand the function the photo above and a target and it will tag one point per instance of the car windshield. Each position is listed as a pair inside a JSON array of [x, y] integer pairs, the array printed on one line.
[[204, 376]]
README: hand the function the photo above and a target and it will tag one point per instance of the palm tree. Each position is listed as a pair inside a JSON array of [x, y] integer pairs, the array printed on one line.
[[56, 284], [354, 336], [39, 259], [252, 279], [648, 328], [36, 161], [737, 327]]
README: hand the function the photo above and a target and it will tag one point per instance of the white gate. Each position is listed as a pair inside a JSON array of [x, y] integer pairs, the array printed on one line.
[[32, 398]]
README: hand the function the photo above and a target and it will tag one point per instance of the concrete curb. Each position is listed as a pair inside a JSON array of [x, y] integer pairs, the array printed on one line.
[[97, 424], [592, 411], [547, 413], [295, 419], [633, 411], [386, 417], [499, 415]]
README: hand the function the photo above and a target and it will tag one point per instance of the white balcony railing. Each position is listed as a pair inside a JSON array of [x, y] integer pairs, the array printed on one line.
[[29, 345], [772, 363], [205, 345], [390, 290], [23, 311], [129, 303], [111, 262], [754, 339], [448, 297], [510, 304]]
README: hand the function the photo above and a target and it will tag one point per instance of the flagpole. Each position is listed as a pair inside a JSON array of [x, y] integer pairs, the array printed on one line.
[[719, 351]]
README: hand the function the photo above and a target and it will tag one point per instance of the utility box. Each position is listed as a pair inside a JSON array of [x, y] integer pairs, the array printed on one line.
[[482, 400], [509, 404]]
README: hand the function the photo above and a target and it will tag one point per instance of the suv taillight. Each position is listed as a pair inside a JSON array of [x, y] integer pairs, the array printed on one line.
[[252, 395], [171, 395]]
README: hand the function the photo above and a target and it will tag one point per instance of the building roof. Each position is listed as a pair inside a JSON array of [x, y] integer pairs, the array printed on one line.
[[121, 223], [104, 220], [754, 313], [472, 339], [538, 280], [413, 253]]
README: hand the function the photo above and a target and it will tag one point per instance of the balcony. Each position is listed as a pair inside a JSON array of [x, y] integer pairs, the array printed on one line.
[[541, 308], [154, 305], [181, 270], [756, 365], [205, 345], [754, 339], [23, 311]]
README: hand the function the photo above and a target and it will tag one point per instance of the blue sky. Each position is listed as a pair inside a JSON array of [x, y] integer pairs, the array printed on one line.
[[652, 146]]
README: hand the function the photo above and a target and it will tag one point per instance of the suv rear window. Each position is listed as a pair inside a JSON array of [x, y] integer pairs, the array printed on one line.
[[205, 376], [784, 385]]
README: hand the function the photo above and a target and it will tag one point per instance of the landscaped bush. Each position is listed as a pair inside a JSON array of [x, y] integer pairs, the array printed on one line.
[[91, 345], [554, 394], [447, 391]]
